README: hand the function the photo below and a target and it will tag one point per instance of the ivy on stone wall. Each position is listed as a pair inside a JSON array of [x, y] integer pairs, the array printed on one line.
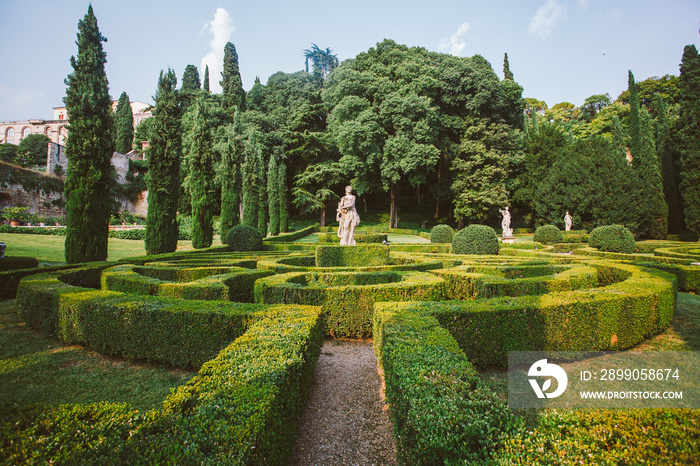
[[30, 180]]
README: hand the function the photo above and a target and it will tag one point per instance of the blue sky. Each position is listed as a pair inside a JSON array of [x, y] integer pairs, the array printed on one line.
[[559, 50]]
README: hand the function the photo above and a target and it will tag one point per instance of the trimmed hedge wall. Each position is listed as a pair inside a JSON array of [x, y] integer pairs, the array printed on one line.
[[242, 408], [176, 331], [291, 236], [216, 283], [629, 305], [352, 256], [347, 299], [441, 412], [17, 263]]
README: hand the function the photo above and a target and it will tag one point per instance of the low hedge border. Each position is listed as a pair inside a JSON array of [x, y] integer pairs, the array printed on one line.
[[422, 248], [575, 236], [689, 253], [468, 282], [397, 262], [234, 284], [180, 332], [441, 412], [630, 304], [352, 256], [348, 306], [360, 237], [242, 408], [688, 276], [291, 236], [17, 263]]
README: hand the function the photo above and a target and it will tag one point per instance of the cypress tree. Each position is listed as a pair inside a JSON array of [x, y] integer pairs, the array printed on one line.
[[89, 148], [251, 181], [231, 83], [125, 125], [190, 79], [273, 195], [206, 79], [507, 74], [646, 163], [262, 195], [283, 196], [199, 181], [668, 172], [689, 136], [163, 179], [230, 176], [634, 121]]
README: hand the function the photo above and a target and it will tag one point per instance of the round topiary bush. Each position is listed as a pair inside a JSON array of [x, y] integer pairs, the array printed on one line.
[[244, 238], [548, 234], [612, 238], [441, 234], [475, 239]]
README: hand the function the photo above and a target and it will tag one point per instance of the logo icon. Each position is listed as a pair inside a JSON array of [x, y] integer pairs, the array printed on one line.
[[543, 369]]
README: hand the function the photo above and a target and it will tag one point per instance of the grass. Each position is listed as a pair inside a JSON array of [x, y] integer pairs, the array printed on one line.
[[50, 249], [39, 370]]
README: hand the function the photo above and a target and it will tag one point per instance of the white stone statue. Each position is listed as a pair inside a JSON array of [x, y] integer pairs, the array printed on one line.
[[347, 217], [568, 220], [505, 223]]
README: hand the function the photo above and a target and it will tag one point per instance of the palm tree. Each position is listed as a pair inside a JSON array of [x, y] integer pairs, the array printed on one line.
[[323, 61]]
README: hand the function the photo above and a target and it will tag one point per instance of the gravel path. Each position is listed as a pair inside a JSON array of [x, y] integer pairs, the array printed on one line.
[[346, 421]]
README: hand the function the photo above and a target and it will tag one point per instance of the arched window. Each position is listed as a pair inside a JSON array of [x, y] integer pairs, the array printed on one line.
[[10, 136], [47, 132], [62, 135], [26, 132]]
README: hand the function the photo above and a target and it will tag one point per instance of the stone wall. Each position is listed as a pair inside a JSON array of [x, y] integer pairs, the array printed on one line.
[[20, 187]]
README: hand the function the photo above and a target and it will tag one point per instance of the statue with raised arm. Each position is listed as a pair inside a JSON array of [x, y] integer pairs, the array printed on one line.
[[347, 218], [568, 221], [505, 223]]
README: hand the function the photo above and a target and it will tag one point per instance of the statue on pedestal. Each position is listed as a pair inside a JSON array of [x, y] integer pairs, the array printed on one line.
[[347, 217], [568, 221], [505, 223]]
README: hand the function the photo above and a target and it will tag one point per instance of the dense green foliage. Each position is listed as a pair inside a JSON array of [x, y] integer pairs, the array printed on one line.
[[475, 239], [125, 125], [229, 173], [689, 136], [252, 170], [548, 234], [199, 182], [233, 95], [441, 234], [89, 148], [31, 151], [612, 238], [164, 155], [190, 79], [244, 238]]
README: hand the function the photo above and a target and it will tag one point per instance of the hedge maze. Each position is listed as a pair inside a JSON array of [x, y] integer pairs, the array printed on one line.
[[253, 325]]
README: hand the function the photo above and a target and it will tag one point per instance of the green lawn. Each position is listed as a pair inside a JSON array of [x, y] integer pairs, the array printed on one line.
[[50, 248], [39, 370]]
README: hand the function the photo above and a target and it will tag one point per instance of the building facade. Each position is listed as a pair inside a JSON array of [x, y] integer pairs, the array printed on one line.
[[12, 132]]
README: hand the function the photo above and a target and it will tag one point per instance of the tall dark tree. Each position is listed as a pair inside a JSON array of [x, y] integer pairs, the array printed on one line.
[[251, 180], [507, 74], [190, 79], [230, 175], [689, 136], [231, 83], [283, 196], [273, 195], [206, 79], [199, 181], [634, 118], [163, 179], [647, 165], [666, 154], [89, 148], [262, 195], [125, 125]]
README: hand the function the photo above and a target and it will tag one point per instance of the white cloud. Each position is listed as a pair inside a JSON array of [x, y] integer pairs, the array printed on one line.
[[582, 4], [221, 28], [546, 18], [454, 44], [18, 102]]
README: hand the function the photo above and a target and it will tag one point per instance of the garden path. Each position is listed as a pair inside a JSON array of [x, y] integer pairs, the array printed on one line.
[[346, 421]]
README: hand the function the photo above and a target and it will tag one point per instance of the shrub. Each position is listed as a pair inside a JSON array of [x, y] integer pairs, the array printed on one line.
[[352, 256], [612, 238], [475, 239], [19, 262], [548, 234], [244, 238], [441, 234]]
